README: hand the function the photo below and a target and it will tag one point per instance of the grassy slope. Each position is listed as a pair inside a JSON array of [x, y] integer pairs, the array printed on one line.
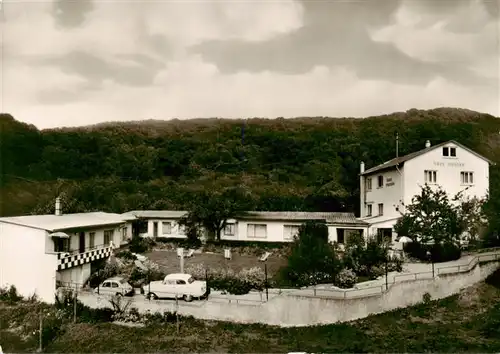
[[468, 322]]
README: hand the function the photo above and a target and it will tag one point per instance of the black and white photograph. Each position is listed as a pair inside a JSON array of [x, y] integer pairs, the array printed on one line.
[[249, 176]]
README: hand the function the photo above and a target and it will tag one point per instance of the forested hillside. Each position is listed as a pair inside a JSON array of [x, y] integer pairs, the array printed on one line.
[[287, 164]]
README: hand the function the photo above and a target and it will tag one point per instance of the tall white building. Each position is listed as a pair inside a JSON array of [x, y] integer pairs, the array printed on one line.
[[386, 187]]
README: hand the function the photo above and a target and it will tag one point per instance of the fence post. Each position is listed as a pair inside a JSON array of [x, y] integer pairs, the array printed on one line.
[[177, 312], [267, 288], [74, 304], [41, 331], [206, 282]]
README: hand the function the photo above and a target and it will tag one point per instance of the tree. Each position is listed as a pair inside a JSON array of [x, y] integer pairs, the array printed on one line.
[[312, 259], [211, 208], [431, 218], [471, 212]]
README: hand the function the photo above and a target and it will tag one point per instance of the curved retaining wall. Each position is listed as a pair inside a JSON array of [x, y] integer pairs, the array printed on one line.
[[296, 309]]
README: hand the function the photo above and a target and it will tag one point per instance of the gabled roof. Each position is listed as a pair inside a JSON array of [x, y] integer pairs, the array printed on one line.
[[401, 160], [66, 221]]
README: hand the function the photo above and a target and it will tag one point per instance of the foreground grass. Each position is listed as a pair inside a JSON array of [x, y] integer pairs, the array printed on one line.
[[468, 322]]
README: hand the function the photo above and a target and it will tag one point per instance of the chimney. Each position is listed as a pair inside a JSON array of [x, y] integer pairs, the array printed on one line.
[[362, 167], [427, 144], [58, 206]]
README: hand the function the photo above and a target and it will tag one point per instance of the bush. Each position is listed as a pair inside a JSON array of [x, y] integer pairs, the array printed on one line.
[[227, 280], [313, 259], [157, 318], [126, 255], [10, 294], [439, 252], [346, 279], [140, 245], [65, 303]]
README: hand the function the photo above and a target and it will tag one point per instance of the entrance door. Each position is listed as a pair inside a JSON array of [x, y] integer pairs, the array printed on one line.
[[82, 242], [155, 229]]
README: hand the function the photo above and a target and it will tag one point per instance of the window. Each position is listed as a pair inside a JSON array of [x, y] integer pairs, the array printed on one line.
[[257, 231], [430, 176], [450, 151], [191, 280], [381, 209], [114, 285], [467, 177], [380, 181], [369, 210], [92, 239], [340, 236], [369, 184], [229, 230], [384, 235], [124, 234], [166, 227], [180, 282], [108, 236], [290, 231], [61, 244], [106, 285]]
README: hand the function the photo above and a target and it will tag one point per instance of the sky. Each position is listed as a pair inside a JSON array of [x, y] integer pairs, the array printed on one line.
[[74, 63]]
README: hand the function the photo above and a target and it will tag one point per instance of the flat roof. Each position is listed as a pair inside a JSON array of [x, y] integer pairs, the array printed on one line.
[[328, 217], [66, 221]]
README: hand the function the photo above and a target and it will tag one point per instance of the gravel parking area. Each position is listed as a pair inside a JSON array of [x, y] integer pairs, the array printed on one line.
[[169, 262]]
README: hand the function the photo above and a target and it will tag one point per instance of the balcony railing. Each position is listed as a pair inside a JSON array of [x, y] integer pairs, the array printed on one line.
[[75, 258]]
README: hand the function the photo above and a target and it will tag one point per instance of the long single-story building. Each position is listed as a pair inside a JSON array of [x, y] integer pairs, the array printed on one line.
[[263, 226]]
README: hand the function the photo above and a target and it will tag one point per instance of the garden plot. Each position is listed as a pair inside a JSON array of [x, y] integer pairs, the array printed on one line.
[[169, 262]]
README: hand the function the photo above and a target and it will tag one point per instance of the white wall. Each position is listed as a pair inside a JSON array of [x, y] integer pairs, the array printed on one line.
[[24, 263], [98, 238], [332, 231], [75, 275], [288, 310], [448, 172], [389, 195], [176, 230]]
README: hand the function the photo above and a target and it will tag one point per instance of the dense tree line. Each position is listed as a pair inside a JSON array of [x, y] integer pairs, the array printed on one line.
[[286, 164]]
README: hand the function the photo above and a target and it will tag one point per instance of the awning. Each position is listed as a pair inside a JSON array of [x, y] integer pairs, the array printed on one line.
[[59, 234]]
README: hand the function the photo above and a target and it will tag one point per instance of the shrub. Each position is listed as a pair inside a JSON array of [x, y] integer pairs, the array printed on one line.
[[10, 294], [126, 255], [346, 278], [198, 271], [439, 252], [65, 303], [227, 280], [255, 277], [157, 318], [312, 258], [140, 245]]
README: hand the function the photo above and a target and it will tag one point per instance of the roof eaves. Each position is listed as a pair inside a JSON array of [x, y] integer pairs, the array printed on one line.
[[26, 225]]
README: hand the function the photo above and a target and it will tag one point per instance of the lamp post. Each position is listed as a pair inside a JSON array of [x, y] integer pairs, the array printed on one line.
[[429, 256], [386, 268]]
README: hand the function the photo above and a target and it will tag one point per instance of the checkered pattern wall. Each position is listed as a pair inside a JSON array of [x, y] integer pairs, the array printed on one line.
[[65, 261]]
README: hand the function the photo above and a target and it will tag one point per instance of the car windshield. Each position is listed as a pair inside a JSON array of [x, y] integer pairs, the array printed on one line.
[[190, 280], [123, 281]]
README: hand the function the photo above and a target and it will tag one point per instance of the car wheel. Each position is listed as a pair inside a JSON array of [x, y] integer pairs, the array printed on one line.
[[187, 298], [152, 296]]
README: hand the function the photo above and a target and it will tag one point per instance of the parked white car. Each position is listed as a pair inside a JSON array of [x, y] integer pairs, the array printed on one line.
[[115, 286], [176, 285]]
